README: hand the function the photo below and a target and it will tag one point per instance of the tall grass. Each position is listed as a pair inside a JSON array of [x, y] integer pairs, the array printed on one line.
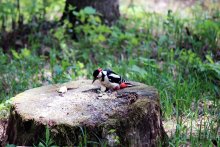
[[176, 55]]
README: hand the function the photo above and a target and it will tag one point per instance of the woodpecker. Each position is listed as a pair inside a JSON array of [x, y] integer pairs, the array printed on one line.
[[110, 79]]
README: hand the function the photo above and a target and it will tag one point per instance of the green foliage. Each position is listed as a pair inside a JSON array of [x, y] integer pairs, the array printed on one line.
[[12, 11], [114, 136], [174, 54], [10, 145], [4, 109], [19, 72], [83, 139], [48, 142], [87, 14]]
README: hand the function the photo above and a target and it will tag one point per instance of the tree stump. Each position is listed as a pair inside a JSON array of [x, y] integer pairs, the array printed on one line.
[[128, 117]]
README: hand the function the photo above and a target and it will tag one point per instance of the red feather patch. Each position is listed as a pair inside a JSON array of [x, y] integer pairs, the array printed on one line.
[[123, 85], [99, 69]]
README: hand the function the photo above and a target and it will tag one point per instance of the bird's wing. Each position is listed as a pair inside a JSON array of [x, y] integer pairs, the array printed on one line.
[[114, 78]]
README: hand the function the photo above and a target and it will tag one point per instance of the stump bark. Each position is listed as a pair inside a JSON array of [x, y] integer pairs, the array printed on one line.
[[127, 117]]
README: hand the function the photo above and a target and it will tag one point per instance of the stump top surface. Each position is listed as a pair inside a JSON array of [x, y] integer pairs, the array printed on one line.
[[81, 104]]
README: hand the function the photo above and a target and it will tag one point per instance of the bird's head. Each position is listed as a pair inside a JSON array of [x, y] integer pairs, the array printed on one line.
[[97, 74]]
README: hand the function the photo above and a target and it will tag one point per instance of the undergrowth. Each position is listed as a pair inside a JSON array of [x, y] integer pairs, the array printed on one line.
[[179, 56]]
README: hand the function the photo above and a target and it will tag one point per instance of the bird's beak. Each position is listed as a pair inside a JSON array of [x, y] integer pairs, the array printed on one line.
[[93, 80]]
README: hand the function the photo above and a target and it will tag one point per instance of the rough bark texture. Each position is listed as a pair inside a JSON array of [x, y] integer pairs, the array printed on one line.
[[131, 116], [109, 9]]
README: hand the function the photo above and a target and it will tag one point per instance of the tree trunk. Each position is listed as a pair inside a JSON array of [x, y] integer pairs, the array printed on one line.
[[108, 8], [128, 117]]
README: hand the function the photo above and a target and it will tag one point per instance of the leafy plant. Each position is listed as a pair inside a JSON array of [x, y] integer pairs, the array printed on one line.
[[48, 142]]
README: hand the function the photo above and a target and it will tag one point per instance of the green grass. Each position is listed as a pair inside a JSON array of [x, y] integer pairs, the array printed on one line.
[[151, 48]]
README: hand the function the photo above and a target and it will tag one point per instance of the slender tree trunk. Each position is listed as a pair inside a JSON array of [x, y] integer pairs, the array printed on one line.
[[108, 8]]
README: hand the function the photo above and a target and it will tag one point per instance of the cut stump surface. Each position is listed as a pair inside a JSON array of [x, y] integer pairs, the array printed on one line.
[[130, 117]]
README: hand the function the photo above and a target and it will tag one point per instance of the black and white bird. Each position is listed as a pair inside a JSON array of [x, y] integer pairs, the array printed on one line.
[[110, 79]]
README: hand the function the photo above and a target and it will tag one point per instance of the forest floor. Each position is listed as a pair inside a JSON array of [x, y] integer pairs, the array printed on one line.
[[195, 124]]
